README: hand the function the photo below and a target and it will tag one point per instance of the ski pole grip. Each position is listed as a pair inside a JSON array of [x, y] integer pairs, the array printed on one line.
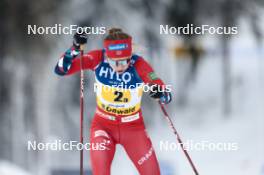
[[82, 47]]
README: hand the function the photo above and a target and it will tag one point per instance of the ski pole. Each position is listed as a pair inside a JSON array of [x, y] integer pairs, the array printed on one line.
[[178, 137], [81, 107]]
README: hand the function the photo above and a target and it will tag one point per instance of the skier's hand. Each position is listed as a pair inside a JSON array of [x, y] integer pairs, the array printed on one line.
[[166, 98], [155, 91], [78, 39], [158, 93]]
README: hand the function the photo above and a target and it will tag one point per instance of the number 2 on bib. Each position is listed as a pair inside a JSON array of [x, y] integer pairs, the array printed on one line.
[[119, 97]]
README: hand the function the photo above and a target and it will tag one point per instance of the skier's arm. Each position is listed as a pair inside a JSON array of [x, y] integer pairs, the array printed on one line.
[[69, 63], [147, 74]]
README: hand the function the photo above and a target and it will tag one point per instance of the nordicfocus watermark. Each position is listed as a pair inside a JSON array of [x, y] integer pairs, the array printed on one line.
[[59, 29], [190, 29], [124, 87], [203, 145], [58, 145]]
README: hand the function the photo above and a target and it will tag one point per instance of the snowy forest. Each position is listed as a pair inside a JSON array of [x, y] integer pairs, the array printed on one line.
[[217, 81]]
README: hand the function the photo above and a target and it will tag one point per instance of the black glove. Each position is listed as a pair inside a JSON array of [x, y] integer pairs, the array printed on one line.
[[156, 92], [78, 39]]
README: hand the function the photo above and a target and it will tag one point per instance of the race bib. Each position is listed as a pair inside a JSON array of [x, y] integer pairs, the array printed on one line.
[[118, 100]]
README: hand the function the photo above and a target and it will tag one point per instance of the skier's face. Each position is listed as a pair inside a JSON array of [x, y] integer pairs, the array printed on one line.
[[119, 66]]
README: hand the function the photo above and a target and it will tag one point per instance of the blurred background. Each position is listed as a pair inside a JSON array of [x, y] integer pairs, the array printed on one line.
[[218, 83]]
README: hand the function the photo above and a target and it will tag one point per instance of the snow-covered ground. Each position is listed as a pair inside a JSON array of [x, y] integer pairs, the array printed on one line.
[[7, 168]]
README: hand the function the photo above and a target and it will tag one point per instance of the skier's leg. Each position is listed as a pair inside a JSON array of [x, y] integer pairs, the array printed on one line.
[[139, 148], [101, 159]]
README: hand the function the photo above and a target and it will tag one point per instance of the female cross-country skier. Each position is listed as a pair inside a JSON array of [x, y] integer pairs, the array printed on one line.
[[118, 118]]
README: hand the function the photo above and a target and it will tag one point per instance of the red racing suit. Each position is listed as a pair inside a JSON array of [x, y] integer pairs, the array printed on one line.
[[118, 117]]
